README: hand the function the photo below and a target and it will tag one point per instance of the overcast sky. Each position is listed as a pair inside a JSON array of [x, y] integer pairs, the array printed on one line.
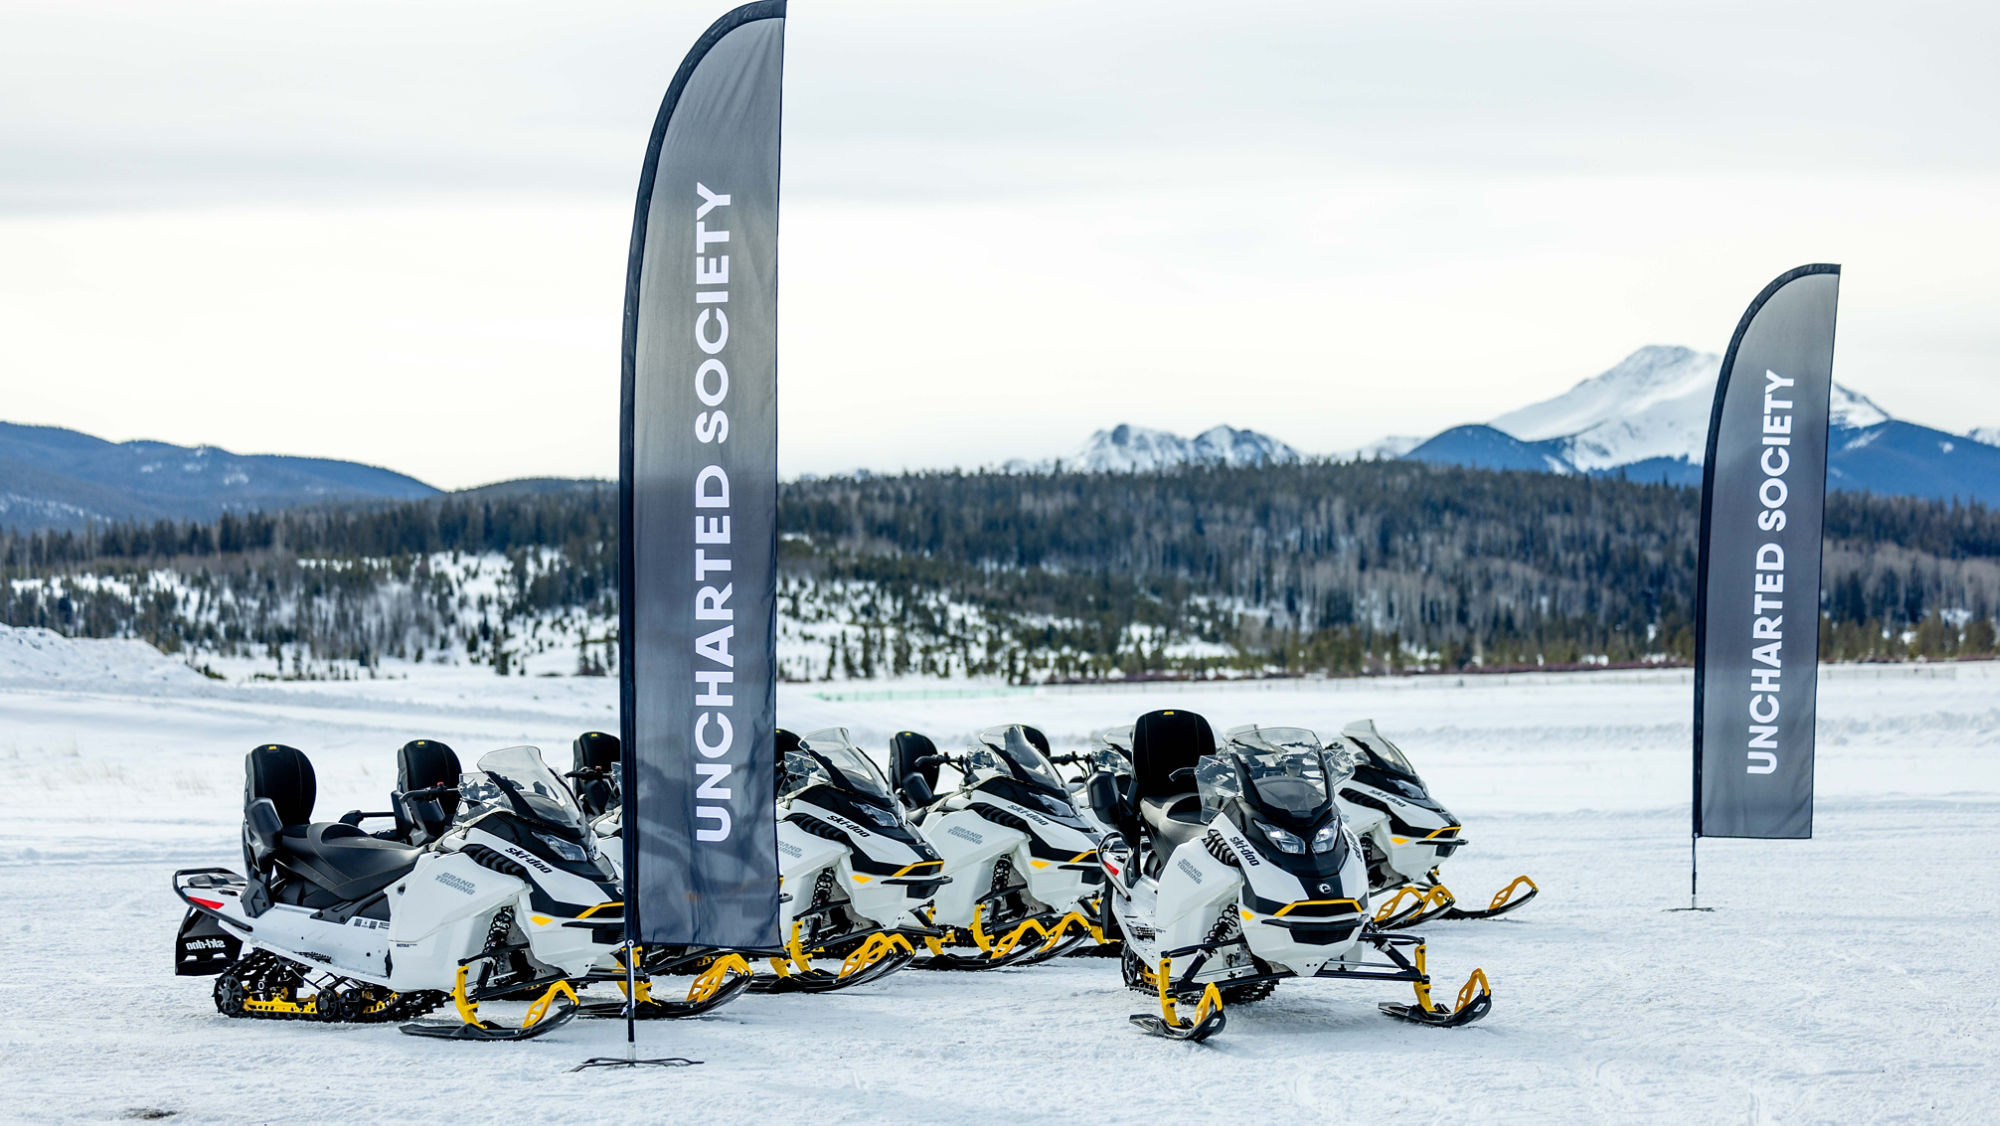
[[396, 232]]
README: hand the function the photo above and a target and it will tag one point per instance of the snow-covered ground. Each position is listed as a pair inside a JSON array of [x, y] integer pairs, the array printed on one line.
[[1849, 978]]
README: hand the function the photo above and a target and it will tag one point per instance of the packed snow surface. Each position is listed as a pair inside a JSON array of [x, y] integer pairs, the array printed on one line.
[[1848, 978]]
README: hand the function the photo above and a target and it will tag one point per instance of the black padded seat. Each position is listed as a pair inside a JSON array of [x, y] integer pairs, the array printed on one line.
[[423, 764], [1164, 743], [787, 742], [343, 859], [1174, 821], [905, 748]]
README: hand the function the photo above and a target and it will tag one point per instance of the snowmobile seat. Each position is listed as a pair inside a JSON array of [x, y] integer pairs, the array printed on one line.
[[787, 743], [594, 760], [424, 764], [278, 792], [283, 776], [905, 749], [1174, 821], [344, 860], [1164, 743]]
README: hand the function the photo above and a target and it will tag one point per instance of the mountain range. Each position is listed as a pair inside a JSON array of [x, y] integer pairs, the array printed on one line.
[[1646, 419], [56, 478], [1138, 449]]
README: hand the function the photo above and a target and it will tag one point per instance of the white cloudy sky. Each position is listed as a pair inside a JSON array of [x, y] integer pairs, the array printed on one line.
[[395, 231]]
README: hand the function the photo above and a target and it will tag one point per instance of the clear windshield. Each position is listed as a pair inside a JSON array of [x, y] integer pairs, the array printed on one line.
[[851, 767], [1285, 766], [1007, 751], [1376, 743], [517, 780], [1118, 739], [799, 771]]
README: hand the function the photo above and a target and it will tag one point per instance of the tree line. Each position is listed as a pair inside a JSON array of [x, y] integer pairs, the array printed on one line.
[[1317, 567]]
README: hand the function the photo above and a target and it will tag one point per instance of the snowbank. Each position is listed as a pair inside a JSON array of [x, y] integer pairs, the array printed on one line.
[[40, 656]]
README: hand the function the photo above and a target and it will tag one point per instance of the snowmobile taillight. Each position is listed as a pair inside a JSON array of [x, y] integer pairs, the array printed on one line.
[[211, 904]]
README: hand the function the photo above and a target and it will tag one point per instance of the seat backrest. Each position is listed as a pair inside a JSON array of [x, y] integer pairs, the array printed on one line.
[[595, 750], [285, 776], [424, 763], [787, 743], [905, 748], [1162, 743]]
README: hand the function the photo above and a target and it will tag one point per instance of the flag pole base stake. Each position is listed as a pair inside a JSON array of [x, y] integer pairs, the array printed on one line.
[[614, 1061]]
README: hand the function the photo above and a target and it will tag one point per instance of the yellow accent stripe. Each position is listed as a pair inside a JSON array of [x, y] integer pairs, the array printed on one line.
[[908, 868], [592, 910]]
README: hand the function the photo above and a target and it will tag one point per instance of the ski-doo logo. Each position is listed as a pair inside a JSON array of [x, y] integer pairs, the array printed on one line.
[[844, 823], [204, 944], [457, 883], [1192, 872], [965, 834], [529, 858]]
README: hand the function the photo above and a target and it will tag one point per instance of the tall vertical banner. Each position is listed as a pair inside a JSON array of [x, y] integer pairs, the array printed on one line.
[[1763, 500], [698, 495]]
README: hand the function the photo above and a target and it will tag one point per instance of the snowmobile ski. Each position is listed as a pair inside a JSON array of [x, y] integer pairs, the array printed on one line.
[[1425, 904], [726, 978], [877, 956], [556, 1007], [1503, 902], [1208, 1016], [1475, 1000]]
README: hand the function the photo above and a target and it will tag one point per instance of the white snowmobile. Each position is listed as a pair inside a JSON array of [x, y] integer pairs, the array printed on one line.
[[1021, 858], [719, 975], [856, 876], [1233, 863], [510, 896], [1405, 834], [1110, 752]]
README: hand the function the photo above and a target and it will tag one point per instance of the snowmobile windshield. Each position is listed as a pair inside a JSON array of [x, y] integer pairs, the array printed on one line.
[[1115, 739], [847, 765], [1006, 751], [1290, 780], [1377, 745], [517, 780]]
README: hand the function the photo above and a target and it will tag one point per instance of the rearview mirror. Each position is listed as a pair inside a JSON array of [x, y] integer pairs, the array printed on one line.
[[917, 793]]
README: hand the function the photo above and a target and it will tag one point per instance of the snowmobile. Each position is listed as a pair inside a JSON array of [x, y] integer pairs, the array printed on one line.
[[510, 895], [1405, 835], [1232, 871], [1110, 753], [1021, 858], [856, 875], [720, 976]]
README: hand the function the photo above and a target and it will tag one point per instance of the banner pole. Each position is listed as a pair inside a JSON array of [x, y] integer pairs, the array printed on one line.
[[631, 1002]]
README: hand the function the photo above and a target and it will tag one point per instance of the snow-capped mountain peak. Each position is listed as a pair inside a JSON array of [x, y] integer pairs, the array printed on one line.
[[1140, 449], [1653, 375], [1853, 410]]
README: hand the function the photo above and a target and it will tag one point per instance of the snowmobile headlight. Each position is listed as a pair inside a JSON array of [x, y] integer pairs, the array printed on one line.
[[1286, 842], [1327, 839], [568, 850], [881, 817]]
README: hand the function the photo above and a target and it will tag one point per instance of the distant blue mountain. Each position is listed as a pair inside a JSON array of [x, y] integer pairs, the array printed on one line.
[[1486, 448], [56, 478]]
